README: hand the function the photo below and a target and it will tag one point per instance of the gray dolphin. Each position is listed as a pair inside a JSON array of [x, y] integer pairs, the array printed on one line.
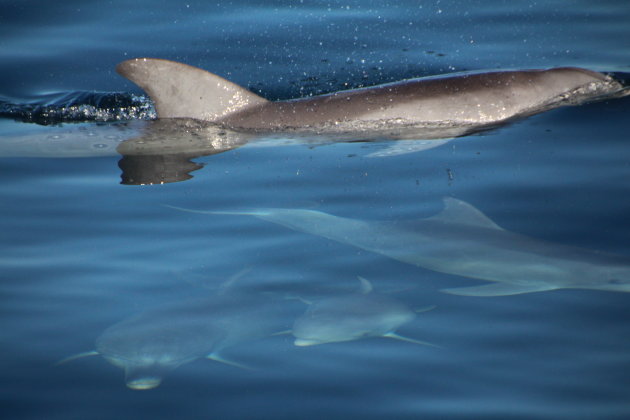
[[149, 345], [463, 241], [351, 317], [433, 107], [427, 109]]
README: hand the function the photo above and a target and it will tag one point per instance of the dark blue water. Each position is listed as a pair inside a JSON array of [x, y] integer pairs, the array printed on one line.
[[81, 252]]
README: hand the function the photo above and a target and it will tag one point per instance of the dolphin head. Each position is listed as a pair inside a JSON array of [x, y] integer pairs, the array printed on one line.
[[143, 377], [142, 374], [328, 322], [313, 331], [348, 318]]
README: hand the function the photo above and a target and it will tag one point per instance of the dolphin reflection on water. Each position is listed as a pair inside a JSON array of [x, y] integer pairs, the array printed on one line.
[[463, 241], [149, 345], [349, 317]]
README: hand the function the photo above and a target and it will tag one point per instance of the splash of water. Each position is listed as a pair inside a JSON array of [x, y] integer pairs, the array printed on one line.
[[79, 106]]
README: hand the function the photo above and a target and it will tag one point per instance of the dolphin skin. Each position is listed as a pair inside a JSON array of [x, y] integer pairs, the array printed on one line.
[[461, 240], [349, 317], [151, 344], [432, 107]]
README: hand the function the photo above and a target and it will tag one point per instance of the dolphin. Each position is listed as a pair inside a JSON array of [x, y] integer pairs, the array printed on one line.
[[424, 108], [461, 240], [149, 345], [351, 317]]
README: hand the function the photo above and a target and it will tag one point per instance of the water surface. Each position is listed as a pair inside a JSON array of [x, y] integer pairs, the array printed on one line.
[[82, 252]]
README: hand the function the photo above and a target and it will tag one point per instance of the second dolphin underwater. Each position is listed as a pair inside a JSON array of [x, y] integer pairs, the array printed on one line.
[[149, 345], [463, 241], [353, 316]]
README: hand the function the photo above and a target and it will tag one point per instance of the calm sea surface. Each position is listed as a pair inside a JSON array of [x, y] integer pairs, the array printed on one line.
[[81, 252]]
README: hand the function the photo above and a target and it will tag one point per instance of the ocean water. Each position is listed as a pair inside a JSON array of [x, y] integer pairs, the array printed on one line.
[[82, 251]]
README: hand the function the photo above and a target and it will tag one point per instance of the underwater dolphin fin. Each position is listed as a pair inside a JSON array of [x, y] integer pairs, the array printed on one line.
[[182, 91], [403, 147], [77, 356], [284, 332], [498, 289], [218, 358], [366, 285], [409, 340], [425, 309], [459, 212], [239, 213], [228, 285]]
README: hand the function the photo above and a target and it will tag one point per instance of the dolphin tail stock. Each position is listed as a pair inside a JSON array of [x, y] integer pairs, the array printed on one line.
[[77, 356], [182, 91], [410, 340], [498, 289]]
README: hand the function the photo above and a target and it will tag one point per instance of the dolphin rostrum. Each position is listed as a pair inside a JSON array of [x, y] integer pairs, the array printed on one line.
[[151, 344], [351, 317], [463, 241], [425, 108]]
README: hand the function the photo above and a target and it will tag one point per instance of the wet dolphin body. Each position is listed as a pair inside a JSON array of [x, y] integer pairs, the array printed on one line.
[[463, 241], [433, 107], [427, 108], [354, 316], [149, 345]]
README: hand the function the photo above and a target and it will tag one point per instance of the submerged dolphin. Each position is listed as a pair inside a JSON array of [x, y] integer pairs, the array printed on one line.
[[151, 344], [351, 317], [433, 107], [463, 241]]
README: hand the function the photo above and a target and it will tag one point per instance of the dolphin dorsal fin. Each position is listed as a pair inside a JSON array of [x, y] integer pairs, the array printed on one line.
[[366, 286], [459, 212], [182, 91]]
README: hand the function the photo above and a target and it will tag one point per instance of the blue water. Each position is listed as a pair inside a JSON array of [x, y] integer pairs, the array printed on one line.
[[81, 252]]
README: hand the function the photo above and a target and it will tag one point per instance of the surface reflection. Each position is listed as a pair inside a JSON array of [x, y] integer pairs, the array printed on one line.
[[163, 150]]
